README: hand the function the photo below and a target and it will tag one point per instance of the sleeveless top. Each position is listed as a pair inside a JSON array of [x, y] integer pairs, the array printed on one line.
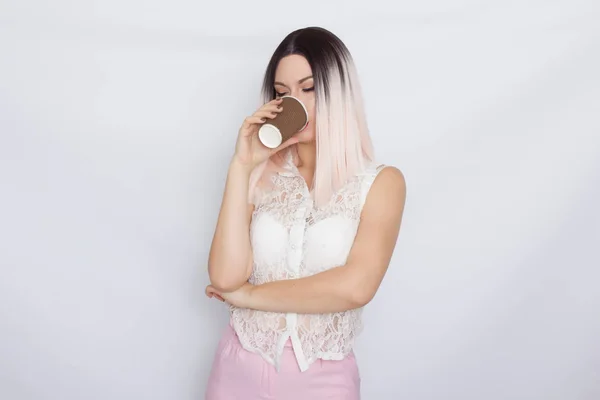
[[291, 238]]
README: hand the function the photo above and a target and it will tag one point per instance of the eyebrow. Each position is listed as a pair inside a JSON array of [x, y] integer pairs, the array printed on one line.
[[300, 81]]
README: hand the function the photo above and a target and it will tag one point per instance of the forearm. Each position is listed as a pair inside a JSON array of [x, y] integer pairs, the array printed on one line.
[[334, 290], [342, 288], [230, 251]]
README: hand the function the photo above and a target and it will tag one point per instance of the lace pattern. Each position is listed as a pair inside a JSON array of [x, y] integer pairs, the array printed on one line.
[[291, 238]]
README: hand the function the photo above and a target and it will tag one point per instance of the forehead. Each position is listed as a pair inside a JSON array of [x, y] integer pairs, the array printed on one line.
[[292, 68]]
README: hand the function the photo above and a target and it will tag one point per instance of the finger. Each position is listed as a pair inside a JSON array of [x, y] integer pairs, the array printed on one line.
[[266, 114], [212, 292], [277, 101], [277, 107], [219, 297], [251, 120], [271, 107], [287, 143]]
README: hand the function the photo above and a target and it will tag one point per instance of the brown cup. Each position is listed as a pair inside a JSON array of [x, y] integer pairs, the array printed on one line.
[[291, 120]]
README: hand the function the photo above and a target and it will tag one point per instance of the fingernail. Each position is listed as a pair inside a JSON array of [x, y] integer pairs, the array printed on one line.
[[263, 119]]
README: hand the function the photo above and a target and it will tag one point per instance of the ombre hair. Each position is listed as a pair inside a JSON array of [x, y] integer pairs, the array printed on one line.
[[343, 143]]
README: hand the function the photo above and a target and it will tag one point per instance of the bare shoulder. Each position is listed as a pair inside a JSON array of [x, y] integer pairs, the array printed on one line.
[[390, 177], [389, 182], [387, 194]]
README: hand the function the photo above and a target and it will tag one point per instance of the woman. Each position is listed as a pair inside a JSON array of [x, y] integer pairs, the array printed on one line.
[[304, 236]]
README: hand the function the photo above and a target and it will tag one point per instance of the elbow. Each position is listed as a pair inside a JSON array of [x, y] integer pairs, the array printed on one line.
[[360, 289], [228, 274], [361, 285], [360, 297], [226, 282], [359, 294]]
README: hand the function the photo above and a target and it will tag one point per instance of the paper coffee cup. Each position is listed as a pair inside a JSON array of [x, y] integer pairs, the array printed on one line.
[[291, 120]]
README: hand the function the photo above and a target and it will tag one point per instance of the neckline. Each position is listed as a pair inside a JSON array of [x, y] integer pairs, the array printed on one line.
[[291, 171], [289, 166]]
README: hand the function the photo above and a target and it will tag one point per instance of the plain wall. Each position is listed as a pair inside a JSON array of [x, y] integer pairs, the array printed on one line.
[[117, 122]]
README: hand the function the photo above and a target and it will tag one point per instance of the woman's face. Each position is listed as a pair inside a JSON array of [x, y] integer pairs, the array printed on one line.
[[293, 77]]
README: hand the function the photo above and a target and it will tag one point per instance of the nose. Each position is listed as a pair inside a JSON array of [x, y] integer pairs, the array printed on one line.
[[296, 92]]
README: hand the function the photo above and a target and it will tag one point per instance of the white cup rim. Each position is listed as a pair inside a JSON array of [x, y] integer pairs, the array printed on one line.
[[269, 131]]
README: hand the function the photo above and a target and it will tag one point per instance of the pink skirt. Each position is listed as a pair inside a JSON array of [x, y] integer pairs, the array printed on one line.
[[240, 374]]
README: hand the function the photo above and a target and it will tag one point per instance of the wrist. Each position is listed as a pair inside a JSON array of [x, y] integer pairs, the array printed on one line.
[[238, 167], [251, 298]]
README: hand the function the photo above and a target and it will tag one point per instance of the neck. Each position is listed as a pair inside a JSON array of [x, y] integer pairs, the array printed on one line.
[[307, 156], [307, 160]]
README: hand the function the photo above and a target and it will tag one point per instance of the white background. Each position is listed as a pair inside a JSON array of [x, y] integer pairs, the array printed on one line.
[[117, 121]]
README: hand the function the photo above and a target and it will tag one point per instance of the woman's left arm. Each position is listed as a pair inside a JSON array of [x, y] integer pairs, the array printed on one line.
[[345, 287]]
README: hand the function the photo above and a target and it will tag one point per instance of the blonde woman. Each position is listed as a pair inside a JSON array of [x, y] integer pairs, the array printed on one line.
[[304, 236]]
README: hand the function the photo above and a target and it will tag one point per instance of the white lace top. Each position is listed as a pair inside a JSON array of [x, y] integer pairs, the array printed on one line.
[[291, 239]]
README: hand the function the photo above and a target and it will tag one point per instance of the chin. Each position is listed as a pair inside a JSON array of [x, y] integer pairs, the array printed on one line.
[[307, 136], [306, 142]]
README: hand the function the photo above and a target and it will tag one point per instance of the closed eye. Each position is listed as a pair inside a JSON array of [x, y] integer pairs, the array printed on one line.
[[310, 89]]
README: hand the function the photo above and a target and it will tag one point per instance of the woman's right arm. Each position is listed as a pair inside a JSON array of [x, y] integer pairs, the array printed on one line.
[[230, 259]]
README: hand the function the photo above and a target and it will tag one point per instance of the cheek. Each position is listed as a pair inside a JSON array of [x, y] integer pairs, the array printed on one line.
[[311, 115], [308, 133], [310, 109], [311, 119]]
